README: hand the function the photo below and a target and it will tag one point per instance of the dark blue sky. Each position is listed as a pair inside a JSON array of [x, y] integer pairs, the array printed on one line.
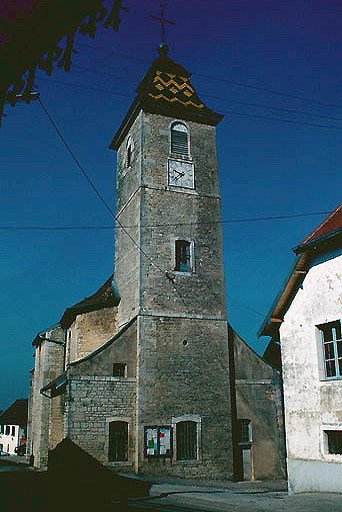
[[267, 168]]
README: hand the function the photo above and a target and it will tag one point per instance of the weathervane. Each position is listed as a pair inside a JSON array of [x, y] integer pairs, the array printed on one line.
[[163, 20]]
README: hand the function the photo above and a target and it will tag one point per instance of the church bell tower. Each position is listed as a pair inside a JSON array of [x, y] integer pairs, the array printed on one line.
[[169, 273]]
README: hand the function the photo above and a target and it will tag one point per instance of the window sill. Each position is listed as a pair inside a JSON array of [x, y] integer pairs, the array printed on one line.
[[119, 463], [331, 379], [190, 461]]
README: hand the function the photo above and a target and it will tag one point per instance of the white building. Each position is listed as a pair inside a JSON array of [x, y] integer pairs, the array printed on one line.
[[306, 319], [13, 424]]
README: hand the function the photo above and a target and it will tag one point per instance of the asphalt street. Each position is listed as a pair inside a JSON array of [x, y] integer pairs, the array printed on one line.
[[233, 497]]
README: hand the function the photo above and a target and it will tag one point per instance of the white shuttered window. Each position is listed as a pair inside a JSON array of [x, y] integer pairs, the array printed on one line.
[[179, 139]]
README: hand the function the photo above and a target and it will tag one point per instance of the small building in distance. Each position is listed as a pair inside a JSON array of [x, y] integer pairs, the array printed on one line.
[[13, 424], [306, 319]]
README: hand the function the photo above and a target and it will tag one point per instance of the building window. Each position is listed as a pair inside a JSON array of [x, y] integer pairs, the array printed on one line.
[[118, 441], [13, 431], [334, 441], [119, 370], [2, 429], [183, 256], [7, 430], [244, 432], [158, 441], [332, 348], [179, 139], [129, 152], [186, 440]]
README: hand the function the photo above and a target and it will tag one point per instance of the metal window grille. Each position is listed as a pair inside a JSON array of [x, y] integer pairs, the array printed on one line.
[[332, 348], [119, 369], [118, 441], [244, 436], [183, 260], [186, 440], [334, 441], [179, 140]]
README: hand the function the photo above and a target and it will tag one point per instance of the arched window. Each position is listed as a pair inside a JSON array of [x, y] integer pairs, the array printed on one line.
[[129, 151], [118, 441], [179, 139], [186, 440]]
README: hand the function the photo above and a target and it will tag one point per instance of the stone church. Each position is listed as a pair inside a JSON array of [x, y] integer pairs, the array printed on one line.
[[144, 374]]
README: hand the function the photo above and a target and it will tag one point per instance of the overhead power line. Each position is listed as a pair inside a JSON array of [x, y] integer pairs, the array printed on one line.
[[255, 116], [229, 100], [85, 175], [231, 221], [224, 80]]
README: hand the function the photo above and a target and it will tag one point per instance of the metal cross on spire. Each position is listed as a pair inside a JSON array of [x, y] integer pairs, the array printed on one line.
[[163, 20]]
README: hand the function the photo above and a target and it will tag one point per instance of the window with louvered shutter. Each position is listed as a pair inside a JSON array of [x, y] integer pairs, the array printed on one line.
[[186, 440], [118, 441], [179, 139]]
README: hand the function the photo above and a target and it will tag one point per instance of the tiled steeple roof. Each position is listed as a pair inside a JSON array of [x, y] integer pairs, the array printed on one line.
[[166, 89]]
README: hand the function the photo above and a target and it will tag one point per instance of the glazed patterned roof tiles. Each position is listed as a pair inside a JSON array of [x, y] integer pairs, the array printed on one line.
[[166, 89], [174, 89]]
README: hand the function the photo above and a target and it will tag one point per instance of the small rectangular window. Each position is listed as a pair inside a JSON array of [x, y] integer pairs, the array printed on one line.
[[244, 432], [179, 139], [334, 441], [1, 429], [158, 441], [7, 430], [119, 370], [118, 441], [332, 348], [183, 256], [186, 440], [13, 431]]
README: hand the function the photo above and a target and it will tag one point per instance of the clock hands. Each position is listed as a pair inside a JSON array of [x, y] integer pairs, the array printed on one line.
[[180, 174]]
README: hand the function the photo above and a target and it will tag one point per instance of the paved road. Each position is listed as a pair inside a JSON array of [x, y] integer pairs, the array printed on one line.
[[255, 498]]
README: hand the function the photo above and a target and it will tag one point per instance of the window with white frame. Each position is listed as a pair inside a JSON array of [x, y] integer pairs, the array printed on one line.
[[332, 349], [334, 438], [129, 152], [179, 139]]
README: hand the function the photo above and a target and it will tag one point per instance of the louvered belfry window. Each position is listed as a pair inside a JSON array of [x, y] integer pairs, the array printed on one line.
[[179, 139]]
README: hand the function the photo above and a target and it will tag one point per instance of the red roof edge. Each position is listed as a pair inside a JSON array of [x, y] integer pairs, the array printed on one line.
[[332, 222]]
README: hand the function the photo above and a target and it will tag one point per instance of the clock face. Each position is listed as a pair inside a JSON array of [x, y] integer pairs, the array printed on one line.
[[181, 174]]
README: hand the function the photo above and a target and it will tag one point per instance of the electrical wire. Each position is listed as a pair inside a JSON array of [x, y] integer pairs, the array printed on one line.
[[223, 80], [231, 221], [229, 112], [85, 175]]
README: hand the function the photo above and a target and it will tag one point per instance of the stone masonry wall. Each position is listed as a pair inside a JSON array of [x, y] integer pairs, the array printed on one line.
[[258, 398], [178, 379], [89, 331], [96, 401], [48, 365], [122, 350]]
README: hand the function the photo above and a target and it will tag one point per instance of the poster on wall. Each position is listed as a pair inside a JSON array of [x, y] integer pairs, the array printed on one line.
[[158, 441], [152, 441]]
